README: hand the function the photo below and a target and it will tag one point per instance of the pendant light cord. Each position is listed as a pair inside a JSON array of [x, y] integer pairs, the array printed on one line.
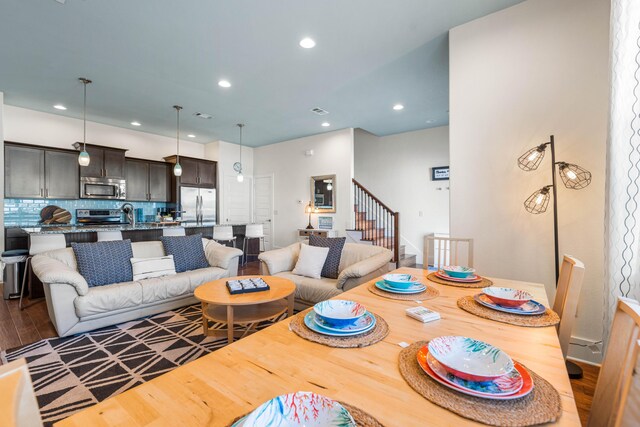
[[241, 126], [178, 108], [85, 82]]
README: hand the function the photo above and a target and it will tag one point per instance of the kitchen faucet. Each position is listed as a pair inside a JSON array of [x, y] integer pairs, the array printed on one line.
[[128, 210]]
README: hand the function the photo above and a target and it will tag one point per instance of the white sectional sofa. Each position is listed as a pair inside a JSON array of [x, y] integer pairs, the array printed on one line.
[[74, 307], [358, 264]]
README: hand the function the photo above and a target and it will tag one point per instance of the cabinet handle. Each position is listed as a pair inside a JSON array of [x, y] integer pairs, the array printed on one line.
[[41, 192], [46, 192]]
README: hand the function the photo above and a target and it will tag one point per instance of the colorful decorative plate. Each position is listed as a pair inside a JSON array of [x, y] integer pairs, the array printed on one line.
[[412, 290], [471, 279], [301, 409], [458, 271], [507, 297], [362, 324], [400, 281], [470, 359], [339, 312], [502, 386], [532, 308], [309, 321], [527, 381]]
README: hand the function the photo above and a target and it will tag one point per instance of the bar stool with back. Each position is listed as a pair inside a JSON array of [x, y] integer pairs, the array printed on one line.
[[253, 231], [224, 233], [39, 243]]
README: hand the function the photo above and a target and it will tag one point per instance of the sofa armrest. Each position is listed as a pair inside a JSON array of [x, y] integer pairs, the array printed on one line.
[[279, 260], [364, 267], [221, 256], [50, 271]]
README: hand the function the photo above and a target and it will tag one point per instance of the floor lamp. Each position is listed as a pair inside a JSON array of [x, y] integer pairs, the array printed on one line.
[[573, 177]]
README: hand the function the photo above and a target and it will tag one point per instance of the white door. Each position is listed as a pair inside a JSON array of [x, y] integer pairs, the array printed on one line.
[[236, 207], [263, 206]]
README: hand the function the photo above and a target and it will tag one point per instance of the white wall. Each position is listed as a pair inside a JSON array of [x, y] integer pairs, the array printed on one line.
[[2, 109], [52, 130], [292, 171], [517, 76], [397, 170]]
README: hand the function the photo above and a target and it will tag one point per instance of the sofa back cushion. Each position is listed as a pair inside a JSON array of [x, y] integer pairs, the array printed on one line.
[[356, 252], [332, 263], [151, 249], [104, 263], [188, 252]]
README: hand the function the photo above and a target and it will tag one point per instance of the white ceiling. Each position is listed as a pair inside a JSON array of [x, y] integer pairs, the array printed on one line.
[[144, 56]]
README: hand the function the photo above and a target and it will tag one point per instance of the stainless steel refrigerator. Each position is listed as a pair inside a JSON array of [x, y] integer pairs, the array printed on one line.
[[198, 204]]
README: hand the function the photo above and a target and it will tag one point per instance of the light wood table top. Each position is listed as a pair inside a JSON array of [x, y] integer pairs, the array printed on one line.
[[216, 292], [234, 380]]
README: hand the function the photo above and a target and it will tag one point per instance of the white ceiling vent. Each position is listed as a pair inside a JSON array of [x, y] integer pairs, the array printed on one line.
[[319, 111], [203, 115]]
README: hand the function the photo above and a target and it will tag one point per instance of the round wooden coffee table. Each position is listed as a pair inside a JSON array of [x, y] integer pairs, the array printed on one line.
[[219, 306]]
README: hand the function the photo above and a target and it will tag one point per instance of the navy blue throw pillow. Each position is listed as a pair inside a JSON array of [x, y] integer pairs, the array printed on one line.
[[103, 263], [188, 252], [331, 265]]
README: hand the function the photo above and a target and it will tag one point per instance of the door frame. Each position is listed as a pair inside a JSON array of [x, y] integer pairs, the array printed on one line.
[[253, 203], [222, 201]]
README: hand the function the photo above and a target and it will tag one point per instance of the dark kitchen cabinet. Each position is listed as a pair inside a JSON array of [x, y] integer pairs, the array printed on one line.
[[196, 171], [33, 172], [147, 181], [104, 162]]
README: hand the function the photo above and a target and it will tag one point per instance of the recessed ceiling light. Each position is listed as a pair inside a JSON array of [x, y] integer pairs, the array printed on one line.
[[307, 43], [59, 107], [326, 124], [203, 115], [191, 135], [224, 83], [135, 123], [398, 107]]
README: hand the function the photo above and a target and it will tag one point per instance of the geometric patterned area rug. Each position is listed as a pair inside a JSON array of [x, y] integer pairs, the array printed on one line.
[[75, 372]]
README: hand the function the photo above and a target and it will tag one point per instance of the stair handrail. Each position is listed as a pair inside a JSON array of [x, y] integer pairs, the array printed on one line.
[[363, 188]]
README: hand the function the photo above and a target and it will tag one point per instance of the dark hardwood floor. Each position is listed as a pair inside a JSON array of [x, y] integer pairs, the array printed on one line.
[[32, 324]]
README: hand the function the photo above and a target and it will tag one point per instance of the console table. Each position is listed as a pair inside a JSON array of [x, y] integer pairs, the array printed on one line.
[[304, 233]]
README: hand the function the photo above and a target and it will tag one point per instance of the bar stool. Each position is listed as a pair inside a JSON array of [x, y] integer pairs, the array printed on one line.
[[253, 231], [106, 236], [173, 231], [224, 233], [39, 243]]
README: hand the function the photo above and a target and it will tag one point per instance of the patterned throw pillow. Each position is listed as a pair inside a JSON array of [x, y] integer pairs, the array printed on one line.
[[104, 263], [188, 253], [335, 245]]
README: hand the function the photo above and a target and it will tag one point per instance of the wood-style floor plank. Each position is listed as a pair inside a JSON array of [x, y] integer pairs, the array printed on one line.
[[583, 390], [8, 333]]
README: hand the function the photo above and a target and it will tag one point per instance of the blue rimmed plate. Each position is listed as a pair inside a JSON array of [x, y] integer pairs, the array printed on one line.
[[414, 289], [362, 324], [309, 321], [531, 308]]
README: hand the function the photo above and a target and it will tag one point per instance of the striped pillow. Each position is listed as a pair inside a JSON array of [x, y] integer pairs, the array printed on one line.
[[146, 268]]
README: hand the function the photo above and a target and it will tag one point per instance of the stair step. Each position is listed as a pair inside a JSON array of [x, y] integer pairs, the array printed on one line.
[[407, 261]]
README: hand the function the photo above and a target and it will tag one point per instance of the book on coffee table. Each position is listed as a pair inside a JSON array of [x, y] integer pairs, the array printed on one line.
[[243, 286]]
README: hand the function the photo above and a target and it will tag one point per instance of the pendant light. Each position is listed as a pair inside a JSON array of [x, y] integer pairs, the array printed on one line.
[[83, 157], [177, 169], [237, 166]]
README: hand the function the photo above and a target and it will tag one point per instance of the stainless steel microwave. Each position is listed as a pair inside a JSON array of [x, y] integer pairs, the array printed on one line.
[[103, 188]]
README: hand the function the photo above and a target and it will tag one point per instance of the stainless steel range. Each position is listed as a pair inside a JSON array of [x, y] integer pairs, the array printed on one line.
[[99, 217]]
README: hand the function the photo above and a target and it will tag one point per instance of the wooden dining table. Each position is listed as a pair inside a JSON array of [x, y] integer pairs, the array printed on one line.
[[230, 382]]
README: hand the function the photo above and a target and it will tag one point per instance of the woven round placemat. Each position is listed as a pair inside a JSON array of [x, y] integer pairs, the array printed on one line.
[[548, 318], [428, 293], [361, 418], [540, 406], [484, 283], [377, 334]]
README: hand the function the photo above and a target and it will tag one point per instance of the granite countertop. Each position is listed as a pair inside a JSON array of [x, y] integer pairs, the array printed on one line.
[[62, 229]]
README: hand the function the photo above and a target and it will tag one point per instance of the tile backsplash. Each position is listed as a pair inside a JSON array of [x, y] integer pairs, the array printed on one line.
[[27, 211]]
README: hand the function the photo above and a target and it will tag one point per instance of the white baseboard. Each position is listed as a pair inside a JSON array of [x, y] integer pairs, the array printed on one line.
[[579, 350]]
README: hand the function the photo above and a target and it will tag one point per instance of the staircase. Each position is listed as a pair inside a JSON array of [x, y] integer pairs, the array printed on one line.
[[376, 224]]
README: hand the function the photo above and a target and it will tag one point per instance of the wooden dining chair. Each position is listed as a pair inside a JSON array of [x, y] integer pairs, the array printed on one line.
[[447, 251], [18, 405], [566, 304], [616, 401]]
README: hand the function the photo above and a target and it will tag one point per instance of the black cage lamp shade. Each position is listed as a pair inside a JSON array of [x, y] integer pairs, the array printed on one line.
[[538, 202], [573, 176], [530, 160]]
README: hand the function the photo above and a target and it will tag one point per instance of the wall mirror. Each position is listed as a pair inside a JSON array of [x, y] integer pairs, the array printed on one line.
[[323, 193]]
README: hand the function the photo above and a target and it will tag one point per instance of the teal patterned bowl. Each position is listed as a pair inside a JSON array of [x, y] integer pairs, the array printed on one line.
[[458, 271]]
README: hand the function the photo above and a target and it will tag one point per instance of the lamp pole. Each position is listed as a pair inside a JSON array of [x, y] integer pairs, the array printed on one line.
[[555, 205]]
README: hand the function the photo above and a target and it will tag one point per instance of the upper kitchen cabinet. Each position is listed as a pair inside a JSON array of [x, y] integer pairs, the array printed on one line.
[[105, 162], [196, 171], [33, 172], [147, 180]]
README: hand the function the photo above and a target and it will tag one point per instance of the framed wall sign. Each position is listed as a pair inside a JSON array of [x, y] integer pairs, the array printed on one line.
[[440, 173], [325, 222]]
